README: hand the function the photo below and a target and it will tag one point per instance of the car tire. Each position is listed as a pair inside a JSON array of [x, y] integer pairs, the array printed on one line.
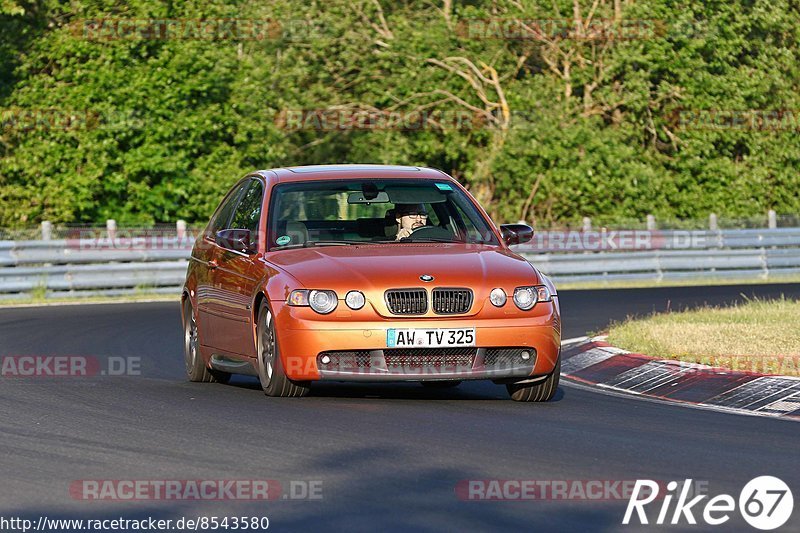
[[269, 365], [440, 384], [196, 369], [541, 391]]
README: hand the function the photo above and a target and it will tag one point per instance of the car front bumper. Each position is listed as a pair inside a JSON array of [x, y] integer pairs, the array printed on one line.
[[520, 347]]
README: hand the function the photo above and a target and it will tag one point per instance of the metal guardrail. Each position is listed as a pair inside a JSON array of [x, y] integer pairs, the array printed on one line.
[[75, 268], [669, 255], [64, 268]]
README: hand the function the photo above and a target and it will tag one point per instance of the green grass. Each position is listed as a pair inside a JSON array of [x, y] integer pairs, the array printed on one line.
[[754, 336]]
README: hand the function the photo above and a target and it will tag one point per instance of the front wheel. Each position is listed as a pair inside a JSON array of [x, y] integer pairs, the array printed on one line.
[[270, 367], [541, 391]]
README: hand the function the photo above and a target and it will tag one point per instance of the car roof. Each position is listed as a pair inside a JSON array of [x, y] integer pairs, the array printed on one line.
[[316, 172]]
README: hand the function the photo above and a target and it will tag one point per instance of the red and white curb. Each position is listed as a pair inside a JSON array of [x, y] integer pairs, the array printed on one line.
[[595, 362]]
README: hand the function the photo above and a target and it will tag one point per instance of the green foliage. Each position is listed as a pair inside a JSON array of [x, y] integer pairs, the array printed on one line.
[[150, 130]]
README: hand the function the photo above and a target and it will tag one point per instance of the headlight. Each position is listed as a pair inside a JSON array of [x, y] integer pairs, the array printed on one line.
[[526, 297], [498, 297], [323, 302], [355, 300]]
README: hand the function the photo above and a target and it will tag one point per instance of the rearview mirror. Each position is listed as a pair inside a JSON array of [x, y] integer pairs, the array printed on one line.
[[237, 240], [361, 198], [516, 233]]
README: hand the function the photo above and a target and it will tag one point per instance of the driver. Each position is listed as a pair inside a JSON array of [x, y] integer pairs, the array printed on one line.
[[409, 217]]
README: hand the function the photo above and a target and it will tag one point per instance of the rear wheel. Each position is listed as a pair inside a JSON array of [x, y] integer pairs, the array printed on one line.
[[196, 369], [270, 367], [541, 391]]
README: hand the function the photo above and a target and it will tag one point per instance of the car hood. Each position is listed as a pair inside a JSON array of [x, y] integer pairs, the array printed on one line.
[[375, 268]]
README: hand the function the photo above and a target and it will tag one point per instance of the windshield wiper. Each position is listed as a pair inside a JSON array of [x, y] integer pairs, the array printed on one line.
[[308, 244], [426, 239]]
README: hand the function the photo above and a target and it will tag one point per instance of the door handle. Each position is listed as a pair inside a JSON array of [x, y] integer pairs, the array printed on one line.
[[212, 264]]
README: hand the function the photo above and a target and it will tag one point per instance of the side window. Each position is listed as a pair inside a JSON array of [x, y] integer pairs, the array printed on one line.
[[433, 216], [466, 225], [248, 212], [225, 210]]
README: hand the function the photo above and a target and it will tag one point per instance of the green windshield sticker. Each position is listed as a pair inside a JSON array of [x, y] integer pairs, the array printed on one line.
[[284, 239], [444, 186]]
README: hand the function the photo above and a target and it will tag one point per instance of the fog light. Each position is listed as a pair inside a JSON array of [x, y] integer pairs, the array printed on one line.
[[325, 359], [498, 297], [525, 355]]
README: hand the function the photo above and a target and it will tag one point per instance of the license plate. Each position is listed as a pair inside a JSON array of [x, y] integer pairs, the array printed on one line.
[[430, 338]]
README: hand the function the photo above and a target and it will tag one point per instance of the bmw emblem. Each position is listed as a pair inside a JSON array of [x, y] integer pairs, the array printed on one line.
[[426, 277]]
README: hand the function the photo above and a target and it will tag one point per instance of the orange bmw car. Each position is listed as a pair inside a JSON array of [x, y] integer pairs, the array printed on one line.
[[366, 273]]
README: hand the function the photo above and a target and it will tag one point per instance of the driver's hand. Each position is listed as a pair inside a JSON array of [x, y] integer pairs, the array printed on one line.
[[403, 233]]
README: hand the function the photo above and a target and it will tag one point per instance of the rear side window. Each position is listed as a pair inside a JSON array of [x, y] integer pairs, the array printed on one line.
[[248, 212], [225, 210]]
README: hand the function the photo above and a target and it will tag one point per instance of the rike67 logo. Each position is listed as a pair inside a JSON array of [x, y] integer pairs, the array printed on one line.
[[765, 503]]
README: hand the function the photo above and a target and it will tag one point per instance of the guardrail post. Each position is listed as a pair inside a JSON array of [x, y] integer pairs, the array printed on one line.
[[180, 228], [651, 223], [587, 224], [111, 229], [772, 219], [659, 270], [712, 222], [47, 230]]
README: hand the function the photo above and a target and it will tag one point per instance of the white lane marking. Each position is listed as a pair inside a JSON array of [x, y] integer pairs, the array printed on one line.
[[696, 366], [765, 388], [573, 340], [784, 405], [585, 360], [626, 394], [647, 377], [774, 410]]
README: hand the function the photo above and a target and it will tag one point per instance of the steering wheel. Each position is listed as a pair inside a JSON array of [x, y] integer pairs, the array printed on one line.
[[430, 232]]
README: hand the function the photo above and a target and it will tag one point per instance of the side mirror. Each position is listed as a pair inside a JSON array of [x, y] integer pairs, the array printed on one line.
[[516, 233], [237, 240]]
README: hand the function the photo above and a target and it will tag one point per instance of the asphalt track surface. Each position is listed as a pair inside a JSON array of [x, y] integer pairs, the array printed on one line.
[[389, 456]]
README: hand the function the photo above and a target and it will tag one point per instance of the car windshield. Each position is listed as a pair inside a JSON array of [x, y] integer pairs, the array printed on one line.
[[373, 211]]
